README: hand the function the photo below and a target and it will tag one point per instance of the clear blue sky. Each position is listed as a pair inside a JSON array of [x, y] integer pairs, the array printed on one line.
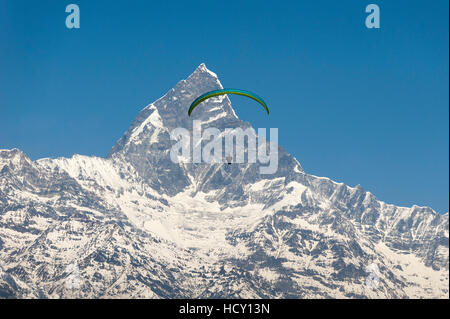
[[360, 106]]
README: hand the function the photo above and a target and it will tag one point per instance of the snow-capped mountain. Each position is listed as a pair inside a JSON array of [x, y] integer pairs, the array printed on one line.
[[137, 225]]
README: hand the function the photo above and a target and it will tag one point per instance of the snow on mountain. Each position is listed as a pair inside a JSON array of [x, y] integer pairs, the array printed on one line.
[[137, 225]]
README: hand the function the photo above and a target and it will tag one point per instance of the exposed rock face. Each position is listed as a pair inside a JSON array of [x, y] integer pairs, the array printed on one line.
[[138, 225]]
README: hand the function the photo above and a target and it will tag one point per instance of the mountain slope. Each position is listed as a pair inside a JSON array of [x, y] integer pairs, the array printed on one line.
[[136, 224]]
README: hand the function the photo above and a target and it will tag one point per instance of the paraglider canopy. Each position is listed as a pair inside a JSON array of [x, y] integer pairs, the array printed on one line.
[[211, 94]]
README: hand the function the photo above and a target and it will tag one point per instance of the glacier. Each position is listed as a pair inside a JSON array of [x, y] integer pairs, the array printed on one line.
[[137, 225]]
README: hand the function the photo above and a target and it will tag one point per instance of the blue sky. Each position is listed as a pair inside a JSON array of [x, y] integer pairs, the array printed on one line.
[[361, 106]]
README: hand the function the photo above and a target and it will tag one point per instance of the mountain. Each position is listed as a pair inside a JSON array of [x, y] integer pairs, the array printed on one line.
[[138, 225]]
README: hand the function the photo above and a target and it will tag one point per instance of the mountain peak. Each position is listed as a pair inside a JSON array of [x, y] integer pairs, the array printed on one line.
[[170, 111], [203, 69], [139, 214], [13, 154], [201, 78]]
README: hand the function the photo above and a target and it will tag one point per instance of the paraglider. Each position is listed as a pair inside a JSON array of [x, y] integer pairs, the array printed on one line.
[[211, 94], [229, 158]]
